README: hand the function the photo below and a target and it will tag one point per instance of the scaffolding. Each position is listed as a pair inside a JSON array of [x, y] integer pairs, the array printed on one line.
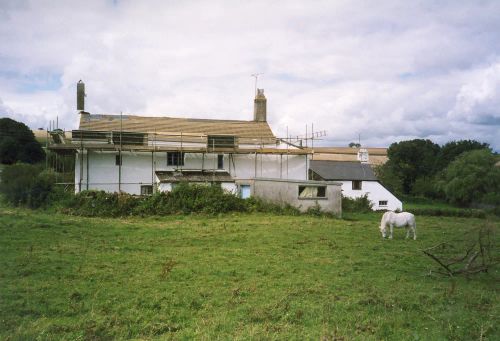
[[82, 143]]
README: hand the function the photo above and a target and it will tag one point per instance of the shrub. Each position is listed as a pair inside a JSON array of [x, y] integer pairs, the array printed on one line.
[[360, 204], [315, 210], [450, 212], [24, 184], [259, 205], [184, 199], [100, 203]]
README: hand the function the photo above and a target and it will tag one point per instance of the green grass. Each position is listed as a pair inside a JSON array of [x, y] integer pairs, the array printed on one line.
[[236, 276]]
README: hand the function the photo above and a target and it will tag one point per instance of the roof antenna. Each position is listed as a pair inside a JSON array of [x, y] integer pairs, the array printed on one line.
[[256, 76]]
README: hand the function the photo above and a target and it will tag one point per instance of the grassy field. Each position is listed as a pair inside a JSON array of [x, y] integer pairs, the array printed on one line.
[[234, 277]]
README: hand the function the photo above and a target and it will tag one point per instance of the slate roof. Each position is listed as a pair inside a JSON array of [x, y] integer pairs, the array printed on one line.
[[343, 170], [131, 123]]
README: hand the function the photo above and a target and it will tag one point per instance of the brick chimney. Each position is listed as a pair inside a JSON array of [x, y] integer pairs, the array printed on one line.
[[259, 107]]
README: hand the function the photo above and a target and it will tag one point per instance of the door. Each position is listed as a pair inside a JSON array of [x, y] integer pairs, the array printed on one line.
[[245, 191]]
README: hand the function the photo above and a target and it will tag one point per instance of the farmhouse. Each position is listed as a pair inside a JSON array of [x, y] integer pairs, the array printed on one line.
[[140, 155], [357, 179]]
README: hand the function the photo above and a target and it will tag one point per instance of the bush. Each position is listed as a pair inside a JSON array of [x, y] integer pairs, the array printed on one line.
[[101, 204], [314, 210], [259, 205], [186, 198], [183, 199], [24, 184], [450, 212], [360, 204]]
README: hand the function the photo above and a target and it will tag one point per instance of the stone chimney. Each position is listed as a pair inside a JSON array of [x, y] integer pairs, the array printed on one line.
[[259, 107], [363, 155], [80, 96]]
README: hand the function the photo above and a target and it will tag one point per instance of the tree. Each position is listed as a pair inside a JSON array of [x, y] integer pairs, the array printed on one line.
[[451, 150], [409, 160], [17, 143], [390, 180], [472, 178]]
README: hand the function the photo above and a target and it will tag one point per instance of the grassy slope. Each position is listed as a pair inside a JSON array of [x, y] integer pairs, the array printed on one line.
[[233, 277]]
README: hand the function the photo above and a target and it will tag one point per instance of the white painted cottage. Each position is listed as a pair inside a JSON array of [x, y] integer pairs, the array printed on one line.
[[140, 155], [357, 179]]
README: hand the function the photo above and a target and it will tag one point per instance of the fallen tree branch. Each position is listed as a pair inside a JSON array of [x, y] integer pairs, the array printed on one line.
[[477, 257]]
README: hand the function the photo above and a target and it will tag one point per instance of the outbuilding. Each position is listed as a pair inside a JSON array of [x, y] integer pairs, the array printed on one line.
[[357, 179]]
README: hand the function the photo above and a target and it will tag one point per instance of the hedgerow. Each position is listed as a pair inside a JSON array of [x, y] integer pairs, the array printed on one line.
[[183, 199]]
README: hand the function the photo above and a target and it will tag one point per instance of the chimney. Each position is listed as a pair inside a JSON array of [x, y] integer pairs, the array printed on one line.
[[259, 107], [80, 96]]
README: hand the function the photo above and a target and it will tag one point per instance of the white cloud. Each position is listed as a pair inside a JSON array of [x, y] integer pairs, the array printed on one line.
[[387, 70]]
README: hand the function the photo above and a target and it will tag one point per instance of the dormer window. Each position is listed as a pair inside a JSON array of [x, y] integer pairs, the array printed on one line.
[[221, 142]]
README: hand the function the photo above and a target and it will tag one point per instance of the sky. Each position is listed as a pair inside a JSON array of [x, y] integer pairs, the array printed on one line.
[[378, 71]]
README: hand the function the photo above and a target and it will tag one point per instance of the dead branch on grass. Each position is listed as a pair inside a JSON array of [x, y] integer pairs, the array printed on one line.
[[470, 255]]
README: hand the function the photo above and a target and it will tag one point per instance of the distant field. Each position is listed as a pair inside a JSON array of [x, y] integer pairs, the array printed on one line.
[[234, 277]]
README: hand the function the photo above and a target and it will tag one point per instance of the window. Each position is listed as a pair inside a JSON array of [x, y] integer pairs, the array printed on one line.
[[356, 185], [312, 192], [221, 141], [220, 161], [146, 189], [382, 203], [175, 159], [126, 137], [89, 135], [118, 160]]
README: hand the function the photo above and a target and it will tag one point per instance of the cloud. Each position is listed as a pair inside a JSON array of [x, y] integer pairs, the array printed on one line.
[[387, 70]]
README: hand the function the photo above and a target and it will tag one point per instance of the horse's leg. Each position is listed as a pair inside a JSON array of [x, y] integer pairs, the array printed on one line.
[[415, 231], [407, 231]]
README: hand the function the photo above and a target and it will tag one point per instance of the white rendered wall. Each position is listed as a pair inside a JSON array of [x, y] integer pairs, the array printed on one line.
[[103, 173], [376, 192], [287, 167], [138, 168]]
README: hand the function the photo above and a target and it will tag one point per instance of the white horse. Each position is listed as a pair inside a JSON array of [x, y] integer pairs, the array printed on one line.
[[403, 219]]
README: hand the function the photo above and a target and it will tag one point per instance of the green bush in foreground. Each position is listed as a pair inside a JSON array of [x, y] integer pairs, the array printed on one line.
[[183, 199], [28, 185]]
